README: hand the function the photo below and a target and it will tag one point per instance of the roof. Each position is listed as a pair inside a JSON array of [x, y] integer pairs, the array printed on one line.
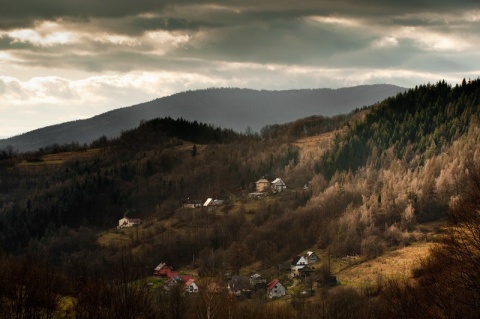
[[189, 282], [256, 276], [263, 180], [278, 180], [172, 274], [134, 220], [310, 253], [272, 283], [239, 283], [208, 202], [186, 278], [306, 269], [296, 259], [160, 266]]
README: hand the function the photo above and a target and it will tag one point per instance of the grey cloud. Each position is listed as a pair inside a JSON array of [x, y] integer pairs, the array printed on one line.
[[16, 13]]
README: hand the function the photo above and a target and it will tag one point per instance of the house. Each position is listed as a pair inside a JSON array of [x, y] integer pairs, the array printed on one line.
[[311, 257], [278, 185], [262, 185], [297, 263], [191, 287], [240, 286], [171, 282], [257, 279], [305, 273], [258, 282], [189, 204], [276, 289], [212, 204], [163, 270], [128, 222]]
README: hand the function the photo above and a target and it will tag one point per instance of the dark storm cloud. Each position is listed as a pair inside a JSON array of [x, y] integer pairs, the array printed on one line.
[[14, 13]]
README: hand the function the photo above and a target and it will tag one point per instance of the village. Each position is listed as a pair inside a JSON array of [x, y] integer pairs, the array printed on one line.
[[298, 272], [300, 269]]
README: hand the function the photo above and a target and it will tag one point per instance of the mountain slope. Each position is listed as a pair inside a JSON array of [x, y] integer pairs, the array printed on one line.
[[232, 108]]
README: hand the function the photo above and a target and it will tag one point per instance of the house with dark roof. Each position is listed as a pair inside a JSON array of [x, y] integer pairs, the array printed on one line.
[[275, 289], [191, 203], [240, 286], [297, 263], [311, 257]]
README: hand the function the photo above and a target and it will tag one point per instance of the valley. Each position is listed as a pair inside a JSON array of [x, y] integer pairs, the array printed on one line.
[[385, 196]]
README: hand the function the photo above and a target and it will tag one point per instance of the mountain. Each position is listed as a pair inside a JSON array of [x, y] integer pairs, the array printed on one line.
[[377, 181], [233, 108]]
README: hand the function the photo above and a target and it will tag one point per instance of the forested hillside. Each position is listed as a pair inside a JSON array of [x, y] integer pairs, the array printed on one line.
[[233, 108], [357, 184]]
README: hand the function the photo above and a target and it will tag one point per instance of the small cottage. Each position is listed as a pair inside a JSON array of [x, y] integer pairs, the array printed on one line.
[[311, 257], [191, 287], [240, 286], [275, 289], [163, 270], [297, 263], [190, 204], [212, 204], [278, 185], [262, 185], [128, 222]]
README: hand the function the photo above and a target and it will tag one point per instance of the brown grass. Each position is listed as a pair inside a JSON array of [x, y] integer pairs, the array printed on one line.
[[397, 263]]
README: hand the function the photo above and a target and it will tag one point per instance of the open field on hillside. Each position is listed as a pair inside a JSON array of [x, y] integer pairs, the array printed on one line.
[[392, 264], [60, 158]]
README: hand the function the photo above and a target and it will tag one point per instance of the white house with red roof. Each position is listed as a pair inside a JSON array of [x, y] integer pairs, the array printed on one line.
[[275, 289], [128, 222], [191, 287]]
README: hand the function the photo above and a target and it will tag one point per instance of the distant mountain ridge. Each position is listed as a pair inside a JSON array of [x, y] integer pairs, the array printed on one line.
[[232, 108]]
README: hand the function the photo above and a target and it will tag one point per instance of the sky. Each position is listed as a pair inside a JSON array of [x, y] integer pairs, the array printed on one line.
[[63, 60]]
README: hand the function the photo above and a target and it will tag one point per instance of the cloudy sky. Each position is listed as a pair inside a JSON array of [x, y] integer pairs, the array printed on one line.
[[63, 60]]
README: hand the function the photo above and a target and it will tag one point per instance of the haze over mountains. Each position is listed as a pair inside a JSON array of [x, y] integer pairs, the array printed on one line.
[[233, 108]]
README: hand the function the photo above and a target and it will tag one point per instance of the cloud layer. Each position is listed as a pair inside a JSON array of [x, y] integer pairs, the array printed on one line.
[[65, 60]]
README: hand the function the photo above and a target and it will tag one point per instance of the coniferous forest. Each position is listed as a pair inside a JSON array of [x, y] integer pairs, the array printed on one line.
[[362, 184]]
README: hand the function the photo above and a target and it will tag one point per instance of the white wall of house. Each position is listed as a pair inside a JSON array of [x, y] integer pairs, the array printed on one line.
[[277, 291]]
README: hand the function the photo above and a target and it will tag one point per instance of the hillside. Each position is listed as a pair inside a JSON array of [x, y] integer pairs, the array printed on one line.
[[381, 184], [236, 109]]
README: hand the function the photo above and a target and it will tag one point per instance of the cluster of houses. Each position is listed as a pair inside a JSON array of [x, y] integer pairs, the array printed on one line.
[[246, 286], [210, 203], [174, 279], [262, 187], [239, 286], [276, 186]]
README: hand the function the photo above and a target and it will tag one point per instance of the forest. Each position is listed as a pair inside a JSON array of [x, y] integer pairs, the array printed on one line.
[[365, 187]]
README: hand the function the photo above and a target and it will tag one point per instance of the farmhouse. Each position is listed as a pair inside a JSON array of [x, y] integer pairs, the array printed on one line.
[[262, 185], [278, 185], [212, 204], [276, 289], [240, 286], [297, 263], [163, 270], [189, 204], [191, 287], [128, 222], [311, 257]]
